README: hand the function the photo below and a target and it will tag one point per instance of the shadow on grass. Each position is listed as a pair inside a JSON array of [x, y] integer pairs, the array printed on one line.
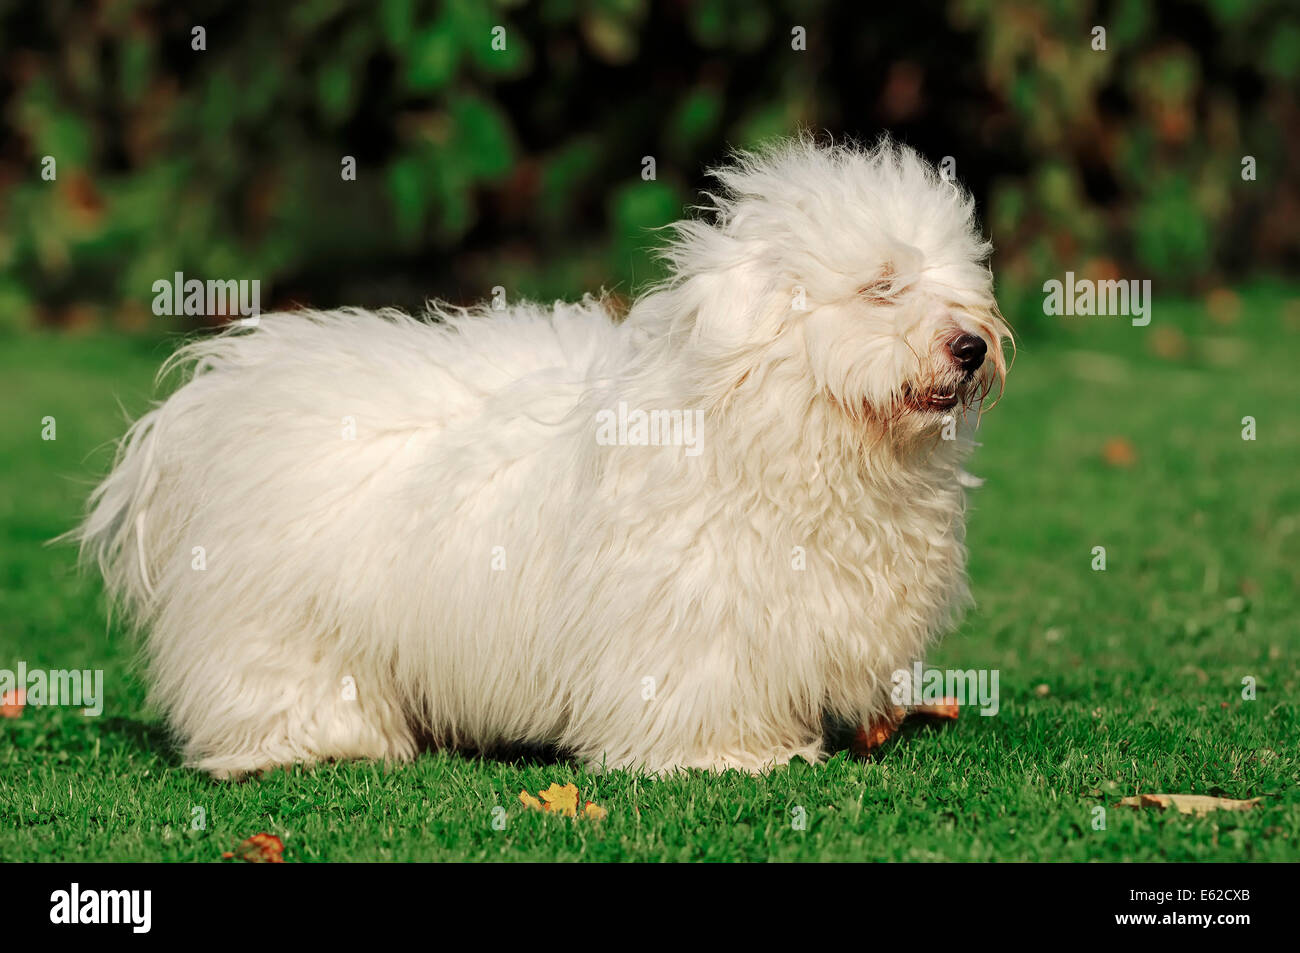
[[149, 737], [519, 755], [152, 738]]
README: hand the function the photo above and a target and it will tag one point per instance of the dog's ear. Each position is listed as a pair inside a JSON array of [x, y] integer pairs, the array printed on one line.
[[736, 308]]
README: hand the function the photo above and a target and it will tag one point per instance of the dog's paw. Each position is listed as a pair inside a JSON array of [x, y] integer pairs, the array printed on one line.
[[238, 768]]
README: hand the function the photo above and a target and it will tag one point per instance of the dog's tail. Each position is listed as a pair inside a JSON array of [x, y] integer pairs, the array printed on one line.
[[113, 534]]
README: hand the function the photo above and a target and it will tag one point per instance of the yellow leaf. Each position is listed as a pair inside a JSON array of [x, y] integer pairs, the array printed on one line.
[[594, 811], [1198, 804], [530, 802], [561, 800]]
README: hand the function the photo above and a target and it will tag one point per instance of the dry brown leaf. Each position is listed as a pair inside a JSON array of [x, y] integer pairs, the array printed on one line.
[[1198, 804], [261, 848], [946, 710], [870, 737], [12, 703], [1119, 452]]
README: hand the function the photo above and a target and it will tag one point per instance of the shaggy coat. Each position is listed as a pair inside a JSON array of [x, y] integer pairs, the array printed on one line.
[[350, 530]]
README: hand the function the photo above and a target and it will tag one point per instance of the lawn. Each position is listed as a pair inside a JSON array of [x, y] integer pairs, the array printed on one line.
[[1112, 682]]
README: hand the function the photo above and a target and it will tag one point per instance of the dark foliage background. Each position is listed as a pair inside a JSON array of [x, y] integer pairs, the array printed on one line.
[[522, 168]]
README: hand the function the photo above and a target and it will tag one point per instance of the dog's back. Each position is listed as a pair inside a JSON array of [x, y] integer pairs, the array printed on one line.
[[268, 493]]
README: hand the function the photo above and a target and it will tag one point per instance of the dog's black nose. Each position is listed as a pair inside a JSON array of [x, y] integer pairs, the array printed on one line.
[[968, 350]]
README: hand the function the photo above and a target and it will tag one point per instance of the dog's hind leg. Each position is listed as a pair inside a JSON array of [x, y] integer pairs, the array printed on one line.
[[267, 703]]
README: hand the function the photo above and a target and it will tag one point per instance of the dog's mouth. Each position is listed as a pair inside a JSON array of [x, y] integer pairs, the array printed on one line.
[[936, 399]]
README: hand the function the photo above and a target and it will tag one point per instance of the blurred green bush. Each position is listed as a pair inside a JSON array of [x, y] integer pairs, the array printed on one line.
[[481, 163]]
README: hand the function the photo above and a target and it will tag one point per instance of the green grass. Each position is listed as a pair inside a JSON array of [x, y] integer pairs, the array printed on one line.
[[1143, 663]]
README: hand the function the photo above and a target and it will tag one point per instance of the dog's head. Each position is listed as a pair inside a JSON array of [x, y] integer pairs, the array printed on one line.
[[865, 264]]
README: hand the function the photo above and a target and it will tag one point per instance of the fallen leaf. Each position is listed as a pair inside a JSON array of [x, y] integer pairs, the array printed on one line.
[[1119, 452], [261, 848], [1198, 804], [870, 737], [12, 703], [946, 710], [561, 799]]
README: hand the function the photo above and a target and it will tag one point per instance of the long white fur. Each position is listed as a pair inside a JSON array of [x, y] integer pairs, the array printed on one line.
[[484, 572]]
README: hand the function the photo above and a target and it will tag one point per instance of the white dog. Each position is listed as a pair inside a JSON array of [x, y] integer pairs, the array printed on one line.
[[683, 540]]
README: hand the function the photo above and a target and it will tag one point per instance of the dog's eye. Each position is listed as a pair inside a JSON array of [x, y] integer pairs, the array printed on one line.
[[881, 291]]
